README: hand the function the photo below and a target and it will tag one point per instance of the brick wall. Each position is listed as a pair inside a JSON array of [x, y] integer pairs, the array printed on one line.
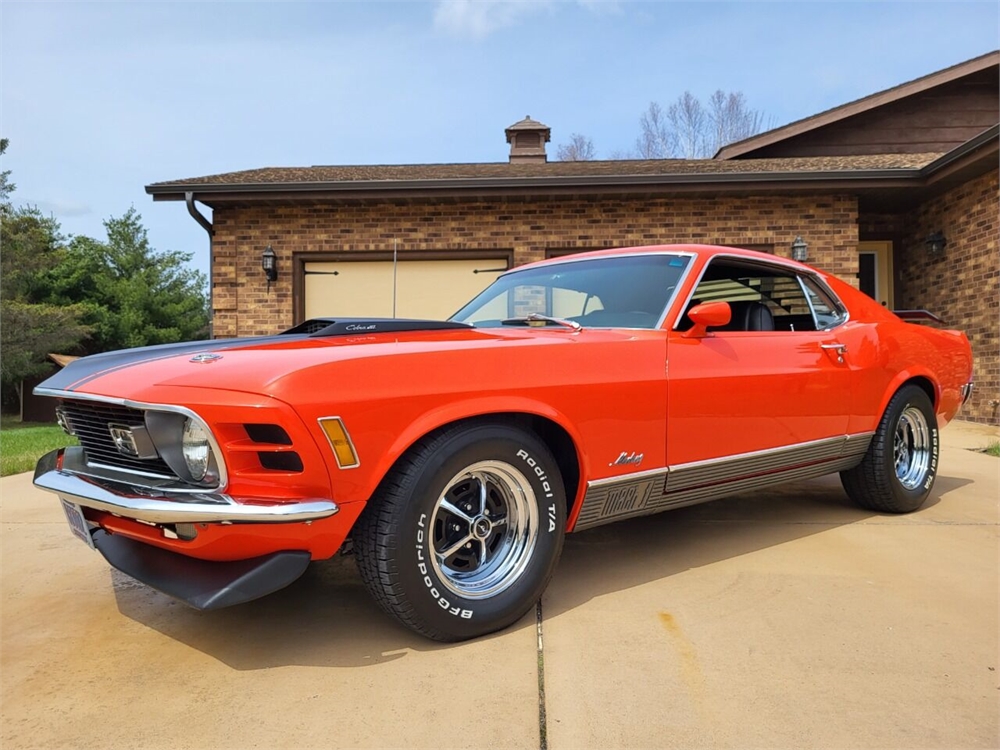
[[242, 305], [961, 285]]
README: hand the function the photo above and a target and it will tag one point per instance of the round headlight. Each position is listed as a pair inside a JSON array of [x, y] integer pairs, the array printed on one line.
[[196, 449]]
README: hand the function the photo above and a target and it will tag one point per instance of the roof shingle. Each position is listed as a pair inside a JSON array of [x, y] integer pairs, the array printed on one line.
[[502, 170]]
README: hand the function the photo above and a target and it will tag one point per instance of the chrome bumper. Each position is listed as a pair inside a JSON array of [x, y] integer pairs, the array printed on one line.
[[170, 507], [967, 392]]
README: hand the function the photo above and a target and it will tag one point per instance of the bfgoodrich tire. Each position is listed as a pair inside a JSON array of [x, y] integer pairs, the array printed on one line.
[[463, 535], [898, 471]]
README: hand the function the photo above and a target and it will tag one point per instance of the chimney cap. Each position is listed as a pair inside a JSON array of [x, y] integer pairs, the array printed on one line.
[[528, 124]]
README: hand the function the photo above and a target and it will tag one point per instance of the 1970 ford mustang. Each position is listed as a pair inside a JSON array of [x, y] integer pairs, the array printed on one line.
[[453, 456]]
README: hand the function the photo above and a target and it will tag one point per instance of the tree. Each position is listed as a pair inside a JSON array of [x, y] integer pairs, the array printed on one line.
[[6, 186], [579, 148], [732, 119], [688, 120], [131, 294], [657, 140], [690, 130], [29, 247]]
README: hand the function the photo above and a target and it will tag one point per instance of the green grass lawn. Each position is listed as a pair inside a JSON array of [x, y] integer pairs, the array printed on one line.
[[23, 443]]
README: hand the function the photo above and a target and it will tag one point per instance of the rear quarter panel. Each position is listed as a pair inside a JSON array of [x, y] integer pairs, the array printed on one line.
[[886, 352]]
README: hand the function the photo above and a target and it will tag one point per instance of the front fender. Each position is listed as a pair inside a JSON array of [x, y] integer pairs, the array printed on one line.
[[452, 412]]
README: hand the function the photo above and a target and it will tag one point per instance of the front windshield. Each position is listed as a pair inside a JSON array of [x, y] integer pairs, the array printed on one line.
[[615, 291]]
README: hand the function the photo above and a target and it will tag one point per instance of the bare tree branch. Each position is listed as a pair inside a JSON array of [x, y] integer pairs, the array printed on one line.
[[690, 130], [579, 148], [687, 119], [656, 140], [732, 119]]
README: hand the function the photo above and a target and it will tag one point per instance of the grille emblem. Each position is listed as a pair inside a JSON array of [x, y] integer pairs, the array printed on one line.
[[124, 440], [205, 358]]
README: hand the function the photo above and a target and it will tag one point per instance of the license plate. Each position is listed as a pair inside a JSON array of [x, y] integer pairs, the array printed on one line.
[[77, 523]]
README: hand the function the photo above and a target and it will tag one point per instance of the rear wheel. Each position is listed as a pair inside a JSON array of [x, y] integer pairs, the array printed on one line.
[[464, 533], [898, 471]]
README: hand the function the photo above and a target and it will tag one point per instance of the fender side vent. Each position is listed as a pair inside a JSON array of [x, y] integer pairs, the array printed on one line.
[[267, 433], [281, 461]]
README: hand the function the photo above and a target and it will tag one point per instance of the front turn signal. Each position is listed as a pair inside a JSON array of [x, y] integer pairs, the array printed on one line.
[[340, 442]]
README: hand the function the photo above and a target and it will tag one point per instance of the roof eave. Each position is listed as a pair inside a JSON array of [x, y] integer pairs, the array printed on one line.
[[969, 148], [177, 191]]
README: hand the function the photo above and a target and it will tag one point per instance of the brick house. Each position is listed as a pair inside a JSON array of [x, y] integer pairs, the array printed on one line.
[[896, 192]]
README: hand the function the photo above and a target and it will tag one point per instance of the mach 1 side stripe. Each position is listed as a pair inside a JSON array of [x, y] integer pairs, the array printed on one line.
[[655, 490]]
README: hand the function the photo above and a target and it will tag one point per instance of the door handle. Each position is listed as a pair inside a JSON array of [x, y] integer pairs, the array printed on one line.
[[841, 350]]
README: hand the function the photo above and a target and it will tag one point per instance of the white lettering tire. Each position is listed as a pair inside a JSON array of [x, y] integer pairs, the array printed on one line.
[[898, 471], [462, 536]]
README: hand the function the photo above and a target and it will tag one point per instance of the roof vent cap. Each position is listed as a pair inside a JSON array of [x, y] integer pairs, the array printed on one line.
[[527, 140]]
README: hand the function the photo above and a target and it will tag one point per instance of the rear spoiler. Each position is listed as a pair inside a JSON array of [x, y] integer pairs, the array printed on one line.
[[917, 316]]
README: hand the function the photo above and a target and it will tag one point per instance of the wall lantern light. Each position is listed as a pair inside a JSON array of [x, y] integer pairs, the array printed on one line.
[[936, 242], [269, 262], [800, 250]]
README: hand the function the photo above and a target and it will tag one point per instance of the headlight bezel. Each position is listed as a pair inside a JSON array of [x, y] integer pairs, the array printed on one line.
[[167, 427], [196, 449]]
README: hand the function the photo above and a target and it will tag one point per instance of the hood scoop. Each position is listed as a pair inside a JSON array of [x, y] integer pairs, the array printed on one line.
[[357, 326]]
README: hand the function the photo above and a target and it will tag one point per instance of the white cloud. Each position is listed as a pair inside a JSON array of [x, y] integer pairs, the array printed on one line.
[[479, 18]]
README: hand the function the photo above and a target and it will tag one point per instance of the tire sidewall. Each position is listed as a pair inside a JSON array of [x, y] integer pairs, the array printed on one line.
[[436, 604], [910, 397]]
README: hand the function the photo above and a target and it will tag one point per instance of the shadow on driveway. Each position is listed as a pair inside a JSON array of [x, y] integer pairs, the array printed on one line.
[[327, 618]]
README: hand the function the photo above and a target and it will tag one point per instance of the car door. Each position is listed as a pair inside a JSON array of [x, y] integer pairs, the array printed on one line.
[[768, 384]]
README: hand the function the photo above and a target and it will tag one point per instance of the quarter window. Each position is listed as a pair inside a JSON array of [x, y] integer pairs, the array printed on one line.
[[827, 311]]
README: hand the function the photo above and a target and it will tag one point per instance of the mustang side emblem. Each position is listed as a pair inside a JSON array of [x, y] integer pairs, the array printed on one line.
[[206, 358], [124, 441], [627, 459]]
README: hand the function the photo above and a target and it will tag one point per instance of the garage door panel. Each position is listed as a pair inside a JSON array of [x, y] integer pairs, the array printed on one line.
[[433, 289]]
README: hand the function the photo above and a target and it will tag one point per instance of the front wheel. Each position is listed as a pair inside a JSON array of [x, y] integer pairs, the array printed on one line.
[[463, 535], [898, 471]]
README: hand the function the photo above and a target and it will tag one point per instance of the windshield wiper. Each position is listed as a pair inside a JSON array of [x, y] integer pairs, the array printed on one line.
[[539, 318]]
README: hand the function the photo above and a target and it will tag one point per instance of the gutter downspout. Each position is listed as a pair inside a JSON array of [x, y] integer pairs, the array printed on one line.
[[207, 226]]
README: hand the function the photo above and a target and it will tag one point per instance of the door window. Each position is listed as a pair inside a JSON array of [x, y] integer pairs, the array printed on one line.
[[762, 297]]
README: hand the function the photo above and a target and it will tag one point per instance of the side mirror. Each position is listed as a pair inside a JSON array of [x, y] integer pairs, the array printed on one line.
[[706, 315]]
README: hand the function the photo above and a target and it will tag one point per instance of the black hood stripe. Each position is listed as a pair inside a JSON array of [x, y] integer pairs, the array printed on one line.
[[86, 369]]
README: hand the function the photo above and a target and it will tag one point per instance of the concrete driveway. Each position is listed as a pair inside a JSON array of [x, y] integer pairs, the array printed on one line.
[[785, 619]]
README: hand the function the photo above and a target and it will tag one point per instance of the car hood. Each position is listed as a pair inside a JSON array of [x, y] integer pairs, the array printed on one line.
[[258, 365]]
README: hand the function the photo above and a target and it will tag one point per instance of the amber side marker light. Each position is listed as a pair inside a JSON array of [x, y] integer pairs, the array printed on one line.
[[340, 441]]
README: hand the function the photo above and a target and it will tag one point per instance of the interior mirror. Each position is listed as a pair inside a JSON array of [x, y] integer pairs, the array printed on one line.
[[706, 315]]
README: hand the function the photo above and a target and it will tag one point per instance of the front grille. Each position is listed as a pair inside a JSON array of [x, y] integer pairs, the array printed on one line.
[[89, 421]]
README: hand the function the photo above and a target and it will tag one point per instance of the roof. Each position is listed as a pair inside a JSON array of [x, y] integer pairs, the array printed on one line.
[[858, 106], [407, 173], [859, 173]]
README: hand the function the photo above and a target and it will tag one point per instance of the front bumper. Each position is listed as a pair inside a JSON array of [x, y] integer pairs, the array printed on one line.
[[165, 507], [967, 392]]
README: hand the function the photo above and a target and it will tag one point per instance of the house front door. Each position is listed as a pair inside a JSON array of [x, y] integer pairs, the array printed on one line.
[[875, 271]]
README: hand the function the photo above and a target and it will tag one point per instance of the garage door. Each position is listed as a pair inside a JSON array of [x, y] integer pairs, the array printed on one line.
[[432, 289]]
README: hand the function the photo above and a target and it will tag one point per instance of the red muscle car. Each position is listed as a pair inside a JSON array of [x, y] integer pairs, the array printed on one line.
[[454, 455]]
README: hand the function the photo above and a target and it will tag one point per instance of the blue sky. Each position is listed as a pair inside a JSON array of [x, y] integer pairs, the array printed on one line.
[[100, 99]]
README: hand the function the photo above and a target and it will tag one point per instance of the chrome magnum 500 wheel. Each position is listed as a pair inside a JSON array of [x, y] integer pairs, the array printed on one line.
[[464, 534], [898, 471]]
